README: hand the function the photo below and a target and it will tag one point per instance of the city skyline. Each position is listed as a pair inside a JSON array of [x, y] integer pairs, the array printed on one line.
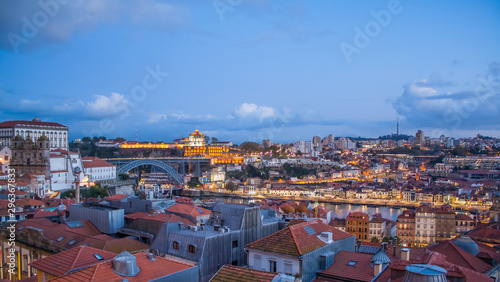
[[252, 70]]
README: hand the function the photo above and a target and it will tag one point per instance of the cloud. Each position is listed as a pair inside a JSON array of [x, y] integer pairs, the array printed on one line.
[[32, 24], [252, 111], [104, 106], [156, 118], [436, 103]]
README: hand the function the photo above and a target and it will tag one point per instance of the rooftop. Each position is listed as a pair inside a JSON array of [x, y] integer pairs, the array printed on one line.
[[242, 274]]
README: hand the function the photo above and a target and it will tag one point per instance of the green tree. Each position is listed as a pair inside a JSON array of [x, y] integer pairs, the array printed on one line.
[[123, 176], [385, 239], [215, 140], [459, 151], [375, 239], [250, 147], [94, 192], [231, 186], [194, 182], [120, 139], [86, 139]]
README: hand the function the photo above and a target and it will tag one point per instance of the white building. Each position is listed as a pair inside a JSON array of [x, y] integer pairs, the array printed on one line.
[[97, 170], [57, 133], [425, 225], [296, 250], [62, 167]]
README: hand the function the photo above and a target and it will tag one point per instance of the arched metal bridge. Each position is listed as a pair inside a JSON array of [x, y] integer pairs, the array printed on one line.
[[168, 169]]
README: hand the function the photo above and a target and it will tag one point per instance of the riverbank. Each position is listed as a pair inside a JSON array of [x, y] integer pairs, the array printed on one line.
[[333, 201]]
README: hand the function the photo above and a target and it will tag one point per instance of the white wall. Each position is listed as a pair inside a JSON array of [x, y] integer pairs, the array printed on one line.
[[280, 261]]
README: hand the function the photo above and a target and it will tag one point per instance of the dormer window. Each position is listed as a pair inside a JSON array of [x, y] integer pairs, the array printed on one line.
[[175, 245], [192, 249]]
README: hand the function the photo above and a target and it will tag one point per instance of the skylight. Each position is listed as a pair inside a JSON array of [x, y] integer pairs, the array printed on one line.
[[309, 230], [200, 210], [98, 256], [60, 239], [71, 242], [73, 224], [352, 263]]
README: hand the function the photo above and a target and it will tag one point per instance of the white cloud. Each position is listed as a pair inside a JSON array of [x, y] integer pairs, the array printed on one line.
[[108, 106], [252, 111]]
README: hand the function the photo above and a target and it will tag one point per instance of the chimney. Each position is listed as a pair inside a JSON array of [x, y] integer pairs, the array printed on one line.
[[384, 246], [151, 257], [358, 244], [377, 268], [405, 254]]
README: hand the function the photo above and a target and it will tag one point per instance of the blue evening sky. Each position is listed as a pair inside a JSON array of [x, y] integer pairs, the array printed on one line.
[[252, 69]]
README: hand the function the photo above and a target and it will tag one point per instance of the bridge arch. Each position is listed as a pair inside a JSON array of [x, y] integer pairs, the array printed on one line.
[[168, 169]]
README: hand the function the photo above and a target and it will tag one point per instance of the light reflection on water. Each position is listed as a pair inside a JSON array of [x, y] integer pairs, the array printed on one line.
[[338, 210]]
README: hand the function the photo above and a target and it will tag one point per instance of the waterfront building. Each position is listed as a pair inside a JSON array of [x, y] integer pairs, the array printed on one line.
[[357, 225], [425, 223], [406, 228], [445, 223]]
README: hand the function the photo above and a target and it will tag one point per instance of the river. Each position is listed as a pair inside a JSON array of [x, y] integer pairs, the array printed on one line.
[[338, 210]]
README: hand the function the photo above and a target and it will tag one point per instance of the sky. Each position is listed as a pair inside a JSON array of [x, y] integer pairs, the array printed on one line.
[[248, 70]]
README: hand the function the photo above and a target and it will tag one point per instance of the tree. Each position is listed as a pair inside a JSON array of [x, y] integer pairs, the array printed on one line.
[[385, 239], [95, 139], [375, 239], [194, 182], [459, 151], [215, 140], [94, 192], [250, 147], [120, 139], [86, 139], [123, 176], [231, 186], [206, 138]]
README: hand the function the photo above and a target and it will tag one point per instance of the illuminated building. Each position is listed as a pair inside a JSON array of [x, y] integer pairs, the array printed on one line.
[[195, 146], [357, 225], [149, 145], [56, 133]]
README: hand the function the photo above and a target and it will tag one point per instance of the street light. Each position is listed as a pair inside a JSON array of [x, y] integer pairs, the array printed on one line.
[[76, 172]]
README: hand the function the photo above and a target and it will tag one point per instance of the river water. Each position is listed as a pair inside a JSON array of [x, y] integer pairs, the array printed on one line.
[[338, 210]]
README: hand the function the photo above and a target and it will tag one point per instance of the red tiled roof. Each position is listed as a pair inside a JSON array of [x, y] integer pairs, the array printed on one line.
[[295, 240], [63, 262], [27, 122], [161, 217], [148, 270], [355, 215], [425, 208], [486, 234], [29, 202], [188, 209], [361, 271], [116, 197], [456, 255], [91, 162], [242, 274], [40, 213]]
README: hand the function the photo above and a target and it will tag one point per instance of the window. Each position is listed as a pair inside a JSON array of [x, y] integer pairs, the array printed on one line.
[[71, 242], [272, 266], [175, 245], [257, 262], [235, 244], [98, 257], [288, 268], [352, 263], [60, 239], [192, 249]]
